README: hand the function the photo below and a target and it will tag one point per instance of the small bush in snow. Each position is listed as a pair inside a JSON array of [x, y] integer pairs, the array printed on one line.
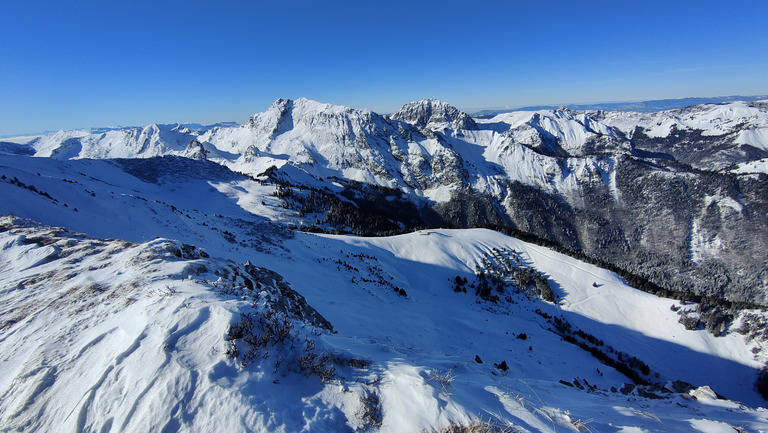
[[312, 363], [260, 333], [270, 334], [690, 322], [475, 426], [370, 411], [503, 366]]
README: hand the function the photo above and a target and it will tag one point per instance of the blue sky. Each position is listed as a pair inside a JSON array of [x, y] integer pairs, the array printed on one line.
[[77, 64]]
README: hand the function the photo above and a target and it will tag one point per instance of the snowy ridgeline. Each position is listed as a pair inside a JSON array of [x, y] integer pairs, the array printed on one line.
[[193, 303], [109, 335], [329, 140], [672, 196]]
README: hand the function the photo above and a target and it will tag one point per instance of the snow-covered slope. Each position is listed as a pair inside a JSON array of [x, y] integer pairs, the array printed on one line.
[[150, 334], [152, 140], [111, 335], [558, 132], [711, 119], [101, 335], [602, 183]]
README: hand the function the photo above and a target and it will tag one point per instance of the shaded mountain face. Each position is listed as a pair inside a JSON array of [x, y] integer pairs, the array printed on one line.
[[676, 197]]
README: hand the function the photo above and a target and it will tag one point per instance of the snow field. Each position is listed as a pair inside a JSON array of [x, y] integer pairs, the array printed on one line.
[[127, 339], [133, 332]]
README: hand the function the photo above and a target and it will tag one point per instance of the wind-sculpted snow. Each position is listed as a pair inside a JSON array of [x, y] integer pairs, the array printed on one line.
[[100, 335]]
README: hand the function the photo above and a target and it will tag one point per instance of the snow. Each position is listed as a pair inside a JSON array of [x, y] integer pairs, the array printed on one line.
[[712, 120], [152, 140], [146, 336], [21, 139], [640, 319], [569, 132], [757, 137], [757, 166], [252, 197], [113, 330], [703, 244], [441, 194], [708, 426], [723, 203]]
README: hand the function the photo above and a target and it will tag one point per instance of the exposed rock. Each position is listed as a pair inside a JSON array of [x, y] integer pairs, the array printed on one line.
[[434, 115]]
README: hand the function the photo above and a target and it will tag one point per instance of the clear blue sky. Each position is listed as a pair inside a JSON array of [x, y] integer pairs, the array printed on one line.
[[74, 64]]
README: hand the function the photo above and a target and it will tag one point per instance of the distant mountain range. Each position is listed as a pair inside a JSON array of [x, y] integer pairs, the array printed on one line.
[[97, 130], [641, 106]]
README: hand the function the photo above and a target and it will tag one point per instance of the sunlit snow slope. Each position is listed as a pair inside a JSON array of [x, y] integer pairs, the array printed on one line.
[[675, 197], [346, 334]]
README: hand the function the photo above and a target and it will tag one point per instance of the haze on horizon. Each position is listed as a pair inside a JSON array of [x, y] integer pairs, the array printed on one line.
[[89, 64]]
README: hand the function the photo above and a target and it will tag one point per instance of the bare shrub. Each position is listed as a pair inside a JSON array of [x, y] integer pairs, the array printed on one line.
[[370, 411], [475, 426], [321, 365], [260, 334], [271, 334]]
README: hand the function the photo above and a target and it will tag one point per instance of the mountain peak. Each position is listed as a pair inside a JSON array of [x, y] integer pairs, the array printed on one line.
[[434, 114]]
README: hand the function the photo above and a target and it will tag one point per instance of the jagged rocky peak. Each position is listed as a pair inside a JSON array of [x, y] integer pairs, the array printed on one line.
[[195, 150], [434, 115], [275, 111]]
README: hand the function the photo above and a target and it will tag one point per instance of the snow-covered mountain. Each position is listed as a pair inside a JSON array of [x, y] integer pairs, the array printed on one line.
[[672, 196], [171, 290], [741, 127], [651, 106], [434, 115]]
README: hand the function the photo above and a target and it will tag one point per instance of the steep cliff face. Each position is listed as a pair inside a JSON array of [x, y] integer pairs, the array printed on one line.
[[333, 141], [675, 196], [434, 115], [691, 231]]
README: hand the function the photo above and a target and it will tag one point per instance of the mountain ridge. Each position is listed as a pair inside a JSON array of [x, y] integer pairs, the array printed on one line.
[[598, 183], [194, 302], [649, 106]]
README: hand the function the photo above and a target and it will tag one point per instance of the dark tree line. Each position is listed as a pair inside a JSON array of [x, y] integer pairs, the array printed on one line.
[[628, 365], [372, 210]]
